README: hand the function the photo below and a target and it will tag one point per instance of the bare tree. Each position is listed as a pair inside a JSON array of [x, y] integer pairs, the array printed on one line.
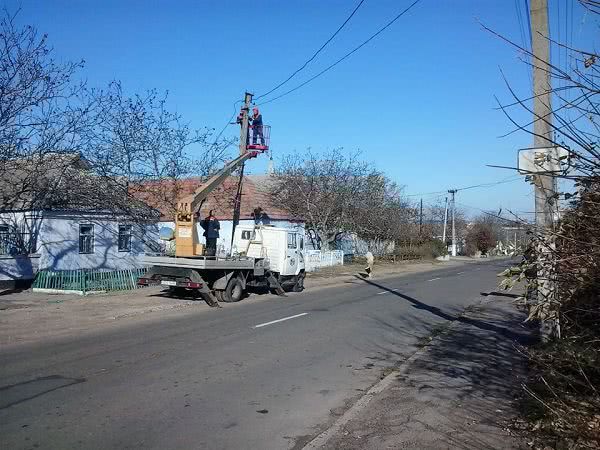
[[42, 112], [337, 194], [143, 151], [64, 145]]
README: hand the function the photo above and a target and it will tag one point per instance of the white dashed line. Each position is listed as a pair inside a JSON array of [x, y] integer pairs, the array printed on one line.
[[279, 320], [433, 279], [386, 292], [459, 273]]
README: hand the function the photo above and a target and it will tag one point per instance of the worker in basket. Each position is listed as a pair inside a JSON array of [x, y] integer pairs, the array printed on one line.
[[257, 126]]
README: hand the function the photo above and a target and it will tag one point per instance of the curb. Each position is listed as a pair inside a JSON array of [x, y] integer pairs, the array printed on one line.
[[322, 438]]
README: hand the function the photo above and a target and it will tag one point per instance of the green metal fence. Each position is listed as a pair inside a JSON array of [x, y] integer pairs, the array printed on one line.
[[84, 281]]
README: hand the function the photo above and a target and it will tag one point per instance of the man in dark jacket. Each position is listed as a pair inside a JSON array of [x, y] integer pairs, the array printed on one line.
[[257, 126], [211, 228]]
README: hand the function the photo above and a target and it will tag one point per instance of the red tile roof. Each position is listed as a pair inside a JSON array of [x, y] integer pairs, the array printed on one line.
[[255, 194]]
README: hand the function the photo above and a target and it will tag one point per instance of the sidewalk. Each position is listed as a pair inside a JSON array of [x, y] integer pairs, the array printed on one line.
[[458, 392]]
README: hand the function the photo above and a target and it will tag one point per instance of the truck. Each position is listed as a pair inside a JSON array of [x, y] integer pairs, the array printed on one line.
[[262, 256]]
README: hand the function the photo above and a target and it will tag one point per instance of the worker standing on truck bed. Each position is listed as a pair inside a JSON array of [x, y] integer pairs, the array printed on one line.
[[211, 228]]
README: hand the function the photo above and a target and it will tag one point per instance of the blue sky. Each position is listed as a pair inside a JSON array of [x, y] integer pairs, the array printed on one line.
[[418, 101]]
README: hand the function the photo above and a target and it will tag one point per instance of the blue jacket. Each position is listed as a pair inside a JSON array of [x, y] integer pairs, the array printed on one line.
[[211, 228]]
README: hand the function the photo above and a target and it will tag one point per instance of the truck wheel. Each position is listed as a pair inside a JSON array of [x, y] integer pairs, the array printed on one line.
[[219, 296], [299, 285], [177, 291], [234, 291]]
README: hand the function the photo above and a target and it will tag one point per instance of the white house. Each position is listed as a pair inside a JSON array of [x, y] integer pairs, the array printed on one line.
[[61, 232]]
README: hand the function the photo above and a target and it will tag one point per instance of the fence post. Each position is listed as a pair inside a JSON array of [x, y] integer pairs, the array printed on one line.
[[84, 282]]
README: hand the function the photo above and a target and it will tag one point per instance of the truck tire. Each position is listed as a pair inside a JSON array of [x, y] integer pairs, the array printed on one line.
[[177, 291], [299, 285], [234, 291]]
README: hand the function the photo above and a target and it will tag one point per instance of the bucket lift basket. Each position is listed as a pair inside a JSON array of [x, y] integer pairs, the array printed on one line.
[[258, 137]]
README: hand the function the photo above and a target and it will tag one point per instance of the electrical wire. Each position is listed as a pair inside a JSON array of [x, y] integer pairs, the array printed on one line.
[[520, 21], [507, 180], [314, 54], [528, 17], [213, 145], [482, 185], [373, 36]]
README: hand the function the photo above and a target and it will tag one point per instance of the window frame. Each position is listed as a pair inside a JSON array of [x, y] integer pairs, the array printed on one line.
[[294, 243], [91, 239], [129, 236], [251, 235], [5, 239]]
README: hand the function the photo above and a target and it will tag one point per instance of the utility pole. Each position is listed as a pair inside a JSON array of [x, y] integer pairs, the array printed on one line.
[[545, 185], [445, 224], [244, 128], [421, 219], [453, 192], [243, 149], [542, 110]]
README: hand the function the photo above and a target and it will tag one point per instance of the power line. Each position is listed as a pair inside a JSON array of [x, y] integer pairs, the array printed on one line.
[[507, 180], [520, 21], [224, 128], [373, 36], [528, 21], [314, 54], [483, 185]]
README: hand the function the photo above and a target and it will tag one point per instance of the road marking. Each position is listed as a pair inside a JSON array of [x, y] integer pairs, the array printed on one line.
[[433, 279], [260, 325], [459, 273], [387, 292]]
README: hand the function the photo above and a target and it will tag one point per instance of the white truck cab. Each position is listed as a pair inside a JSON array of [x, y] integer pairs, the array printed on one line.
[[283, 248]]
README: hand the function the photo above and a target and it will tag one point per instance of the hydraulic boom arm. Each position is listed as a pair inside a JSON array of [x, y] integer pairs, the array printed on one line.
[[186, 239]]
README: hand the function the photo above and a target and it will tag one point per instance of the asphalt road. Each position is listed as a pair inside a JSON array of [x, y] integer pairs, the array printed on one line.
[[234, 378]]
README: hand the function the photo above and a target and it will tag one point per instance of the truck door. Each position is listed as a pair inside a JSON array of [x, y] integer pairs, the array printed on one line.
[[301, 264], [292, 257]]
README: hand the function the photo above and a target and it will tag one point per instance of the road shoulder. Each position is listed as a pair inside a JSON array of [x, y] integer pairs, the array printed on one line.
[[457, 392]]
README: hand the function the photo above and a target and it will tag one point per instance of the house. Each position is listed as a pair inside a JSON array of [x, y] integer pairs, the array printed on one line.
[[256, 206], [56, 215]]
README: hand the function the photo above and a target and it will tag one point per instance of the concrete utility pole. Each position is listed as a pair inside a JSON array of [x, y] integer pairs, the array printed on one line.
[[244, 128], [445, 224], [453, 192], [545, 185], [421, 219], [243, 149]]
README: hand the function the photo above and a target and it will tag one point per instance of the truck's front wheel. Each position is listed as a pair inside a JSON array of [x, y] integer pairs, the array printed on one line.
[[234, 291]]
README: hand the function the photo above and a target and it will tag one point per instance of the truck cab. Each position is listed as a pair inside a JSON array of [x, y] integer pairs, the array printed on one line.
[[283, 248]]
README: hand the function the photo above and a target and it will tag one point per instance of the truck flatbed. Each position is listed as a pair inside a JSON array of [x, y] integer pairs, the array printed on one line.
[[206, 262]]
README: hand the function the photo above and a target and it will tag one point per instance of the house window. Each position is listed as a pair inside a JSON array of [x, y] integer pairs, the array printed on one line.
[[4, 240], [86, 238], [248, 235], [125, 232], [292, 240]]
